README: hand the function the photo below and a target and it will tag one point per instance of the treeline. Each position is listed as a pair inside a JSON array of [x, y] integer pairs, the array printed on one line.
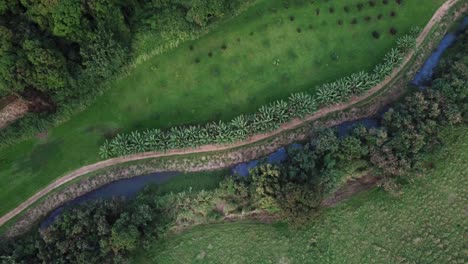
[[110, 231], [56, 55], [267, 118]]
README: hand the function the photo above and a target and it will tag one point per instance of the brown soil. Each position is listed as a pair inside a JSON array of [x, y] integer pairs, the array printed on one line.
[[6, 100], [13, 109], [256, 138], [352, 187]]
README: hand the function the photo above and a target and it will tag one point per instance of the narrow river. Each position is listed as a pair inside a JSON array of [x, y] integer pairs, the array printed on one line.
[[128, 188]]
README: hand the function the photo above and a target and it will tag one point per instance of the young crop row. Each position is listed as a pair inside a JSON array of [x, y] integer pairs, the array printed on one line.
[[267, 118]]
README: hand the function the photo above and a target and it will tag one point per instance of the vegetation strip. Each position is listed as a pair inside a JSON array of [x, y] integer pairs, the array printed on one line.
[[209, 148]]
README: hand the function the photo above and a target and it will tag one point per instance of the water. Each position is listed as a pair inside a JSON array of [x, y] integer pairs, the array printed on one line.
[[425, 74], [343, 129], [242, 169], [128, 188]]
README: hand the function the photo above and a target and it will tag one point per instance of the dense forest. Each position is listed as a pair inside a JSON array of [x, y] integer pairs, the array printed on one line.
[[110, 231], [62, 50]]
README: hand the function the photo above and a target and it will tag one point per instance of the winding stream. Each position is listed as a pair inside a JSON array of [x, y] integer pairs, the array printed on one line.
[[128, 188], [425, 74]]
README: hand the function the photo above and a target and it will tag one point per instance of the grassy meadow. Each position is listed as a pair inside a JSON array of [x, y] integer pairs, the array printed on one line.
[[271, 50], [425, 223]]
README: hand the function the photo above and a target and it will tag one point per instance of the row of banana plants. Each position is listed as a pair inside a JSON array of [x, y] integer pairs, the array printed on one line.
[[267, 118]]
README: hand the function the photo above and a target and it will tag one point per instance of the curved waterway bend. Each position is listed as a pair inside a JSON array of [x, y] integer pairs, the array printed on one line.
[[425, 74], [128, 188]]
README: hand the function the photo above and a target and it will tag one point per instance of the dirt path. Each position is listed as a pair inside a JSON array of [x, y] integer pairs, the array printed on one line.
[[212, 148]]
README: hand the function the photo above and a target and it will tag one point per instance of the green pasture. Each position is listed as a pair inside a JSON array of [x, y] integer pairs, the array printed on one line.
[[425, 223], [269, 51]]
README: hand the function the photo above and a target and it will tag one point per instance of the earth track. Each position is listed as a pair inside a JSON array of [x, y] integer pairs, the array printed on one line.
[[295, 123]]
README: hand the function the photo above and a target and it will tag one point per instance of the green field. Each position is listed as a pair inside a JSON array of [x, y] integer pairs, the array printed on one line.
[[425, 224], [266, 53]]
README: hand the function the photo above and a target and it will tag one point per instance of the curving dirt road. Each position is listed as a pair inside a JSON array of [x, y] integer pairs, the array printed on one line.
[[211, 148]]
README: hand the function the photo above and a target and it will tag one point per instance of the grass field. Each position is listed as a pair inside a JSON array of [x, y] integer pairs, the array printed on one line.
[[264, 54], [426, 224]]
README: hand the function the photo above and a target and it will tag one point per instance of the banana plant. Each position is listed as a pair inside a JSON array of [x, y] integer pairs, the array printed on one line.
[[343, 88], [281, 114], [406, 43], [394, 57], [154, 139], [105, 150], [240, 127], [301, 104], [264, 119], [327, 95], [383, 70], [136, 142], [119, 145], [177, 137]]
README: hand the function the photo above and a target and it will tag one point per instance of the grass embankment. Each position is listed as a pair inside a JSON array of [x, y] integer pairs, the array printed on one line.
[[425, 224], [266, 53]]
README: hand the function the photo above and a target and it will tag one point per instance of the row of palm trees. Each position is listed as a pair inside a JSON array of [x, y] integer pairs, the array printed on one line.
[[267, 118]]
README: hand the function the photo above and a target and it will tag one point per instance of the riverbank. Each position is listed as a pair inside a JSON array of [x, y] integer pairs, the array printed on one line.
[[425, 224]]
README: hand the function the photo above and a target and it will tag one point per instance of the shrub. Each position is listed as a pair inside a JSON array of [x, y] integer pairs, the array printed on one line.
[[376, 34]]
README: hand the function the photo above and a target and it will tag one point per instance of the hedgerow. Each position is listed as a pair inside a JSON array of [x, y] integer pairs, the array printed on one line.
[[268, 117]]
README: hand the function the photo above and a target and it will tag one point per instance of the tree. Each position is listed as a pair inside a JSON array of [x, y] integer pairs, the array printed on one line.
[[301, 166], [43, 68], [351, 148], [66, 19], [266, 186], [125, 235], [326, 142]]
